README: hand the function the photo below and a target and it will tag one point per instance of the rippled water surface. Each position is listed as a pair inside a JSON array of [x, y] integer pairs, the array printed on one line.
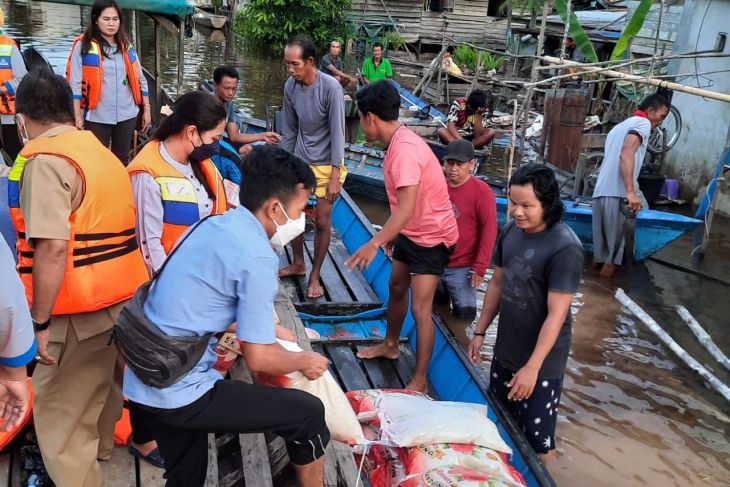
[[632, 414]]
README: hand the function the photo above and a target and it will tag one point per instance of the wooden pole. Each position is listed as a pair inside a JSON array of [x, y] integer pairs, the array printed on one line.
[[533, 77], [512, 140], [690, 361], [395, 26], [641, 79], [429, 71], [703, 337], [180, 57]]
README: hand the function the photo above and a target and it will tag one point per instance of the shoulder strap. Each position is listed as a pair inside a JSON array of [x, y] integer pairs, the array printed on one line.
[[159, 271]]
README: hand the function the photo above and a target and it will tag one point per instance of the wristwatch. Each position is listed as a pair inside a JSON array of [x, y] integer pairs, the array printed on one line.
[[41, 326]]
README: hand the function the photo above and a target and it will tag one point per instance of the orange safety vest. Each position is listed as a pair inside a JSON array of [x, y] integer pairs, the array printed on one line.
[[179, 202], [92, 73], [7, 101], [103, 265]]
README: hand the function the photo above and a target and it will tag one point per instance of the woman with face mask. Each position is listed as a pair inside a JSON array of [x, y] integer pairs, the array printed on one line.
[[174, 181], [107, 81]]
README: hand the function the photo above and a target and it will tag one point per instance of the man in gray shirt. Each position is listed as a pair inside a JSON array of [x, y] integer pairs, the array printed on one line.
[[314, 130], [624, 154], [332, 65]]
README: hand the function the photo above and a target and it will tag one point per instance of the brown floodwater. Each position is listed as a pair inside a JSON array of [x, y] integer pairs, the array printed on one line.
[[632, 414]]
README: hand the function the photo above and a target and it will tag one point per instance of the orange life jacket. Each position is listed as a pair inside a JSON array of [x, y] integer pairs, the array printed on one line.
[[179, 202], [92, 73], [7, 101], [103, 264]]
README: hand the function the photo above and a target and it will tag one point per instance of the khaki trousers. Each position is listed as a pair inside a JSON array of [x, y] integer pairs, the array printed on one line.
[[78, 401]]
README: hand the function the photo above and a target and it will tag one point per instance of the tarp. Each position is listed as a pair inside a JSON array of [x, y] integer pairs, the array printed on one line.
[[178, 8]]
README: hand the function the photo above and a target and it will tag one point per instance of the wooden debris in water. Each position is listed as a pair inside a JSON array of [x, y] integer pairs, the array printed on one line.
[[703, 337]]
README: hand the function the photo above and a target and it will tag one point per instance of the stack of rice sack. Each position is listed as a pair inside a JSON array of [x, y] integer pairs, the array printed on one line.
[[418, 442]]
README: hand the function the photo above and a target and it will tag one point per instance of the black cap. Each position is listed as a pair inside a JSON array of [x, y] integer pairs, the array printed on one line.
[[459, 150]]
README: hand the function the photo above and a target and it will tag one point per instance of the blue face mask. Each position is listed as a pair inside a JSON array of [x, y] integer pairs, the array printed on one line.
[[205, 151]]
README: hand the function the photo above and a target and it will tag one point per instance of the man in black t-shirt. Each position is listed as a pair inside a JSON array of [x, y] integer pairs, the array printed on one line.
[[538, 264]]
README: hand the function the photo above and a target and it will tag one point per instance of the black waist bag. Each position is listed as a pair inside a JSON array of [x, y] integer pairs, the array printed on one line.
[[158, 360]]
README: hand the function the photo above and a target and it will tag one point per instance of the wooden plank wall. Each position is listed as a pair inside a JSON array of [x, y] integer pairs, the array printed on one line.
[[467, 22], [644, 41]]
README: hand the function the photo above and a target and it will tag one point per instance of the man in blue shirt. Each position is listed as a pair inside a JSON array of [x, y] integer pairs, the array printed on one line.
[[204, 288]]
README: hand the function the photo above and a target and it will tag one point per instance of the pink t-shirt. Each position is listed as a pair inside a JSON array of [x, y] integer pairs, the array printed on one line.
[[409, 162]]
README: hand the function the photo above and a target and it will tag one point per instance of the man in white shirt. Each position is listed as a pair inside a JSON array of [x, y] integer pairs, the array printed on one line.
[[618, 180]]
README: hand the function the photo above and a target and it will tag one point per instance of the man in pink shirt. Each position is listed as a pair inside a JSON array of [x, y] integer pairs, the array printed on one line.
[[475, 210], [421, 231]]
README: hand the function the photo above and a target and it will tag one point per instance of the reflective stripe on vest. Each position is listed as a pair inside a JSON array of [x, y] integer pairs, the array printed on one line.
[[7, 101], [179, 201], [103, 264], [92, 73]]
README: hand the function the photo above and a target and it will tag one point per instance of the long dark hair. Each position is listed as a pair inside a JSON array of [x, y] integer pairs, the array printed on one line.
[[545, 187], [199, 109], [92, 32]]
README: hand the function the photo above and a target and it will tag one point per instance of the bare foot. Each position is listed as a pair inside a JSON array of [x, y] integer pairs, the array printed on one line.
[[418, 385], [608, 270], [548, 457], [382, 350], [144, 448], [314, 290], [293, 270]]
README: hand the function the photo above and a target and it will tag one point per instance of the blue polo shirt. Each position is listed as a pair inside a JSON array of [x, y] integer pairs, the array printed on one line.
[[225, 272]]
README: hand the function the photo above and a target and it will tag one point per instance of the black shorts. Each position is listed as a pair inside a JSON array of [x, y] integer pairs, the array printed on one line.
[[422, 260]]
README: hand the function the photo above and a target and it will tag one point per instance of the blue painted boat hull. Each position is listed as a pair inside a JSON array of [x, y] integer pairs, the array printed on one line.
[[451, 375]]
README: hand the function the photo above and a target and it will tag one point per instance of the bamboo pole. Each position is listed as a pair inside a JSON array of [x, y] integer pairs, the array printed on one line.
[[512, 139], [652, 81], [716, 384], [703, 337], [410, 54]]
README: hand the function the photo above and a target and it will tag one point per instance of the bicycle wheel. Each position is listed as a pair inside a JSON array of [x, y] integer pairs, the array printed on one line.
[[669, 130]]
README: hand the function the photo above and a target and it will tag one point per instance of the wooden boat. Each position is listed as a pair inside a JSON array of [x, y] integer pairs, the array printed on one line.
[[342, 334], [654, 229], [209, 20]]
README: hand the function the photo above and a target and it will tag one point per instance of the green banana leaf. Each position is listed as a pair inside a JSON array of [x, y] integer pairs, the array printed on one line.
[[632, 28], [580, 38]]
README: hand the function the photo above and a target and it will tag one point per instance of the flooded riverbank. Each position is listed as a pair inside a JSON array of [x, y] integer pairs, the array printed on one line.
[[632, 414]]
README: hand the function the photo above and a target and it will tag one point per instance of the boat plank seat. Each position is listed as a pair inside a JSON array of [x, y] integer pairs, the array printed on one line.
[[345, 292]]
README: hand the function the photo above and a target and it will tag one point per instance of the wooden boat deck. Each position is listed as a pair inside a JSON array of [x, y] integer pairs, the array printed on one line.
[[344, 292]]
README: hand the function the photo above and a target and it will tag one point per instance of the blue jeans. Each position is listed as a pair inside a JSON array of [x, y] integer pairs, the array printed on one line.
[[456, 287]]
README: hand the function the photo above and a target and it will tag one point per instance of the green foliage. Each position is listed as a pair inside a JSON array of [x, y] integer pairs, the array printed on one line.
[[468, 57], [633, 26], [580, 38], [393, 41], [272, 22], [491, 61]]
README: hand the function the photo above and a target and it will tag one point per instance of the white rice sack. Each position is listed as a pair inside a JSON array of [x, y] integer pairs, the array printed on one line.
[[338, 414], [407, 421]]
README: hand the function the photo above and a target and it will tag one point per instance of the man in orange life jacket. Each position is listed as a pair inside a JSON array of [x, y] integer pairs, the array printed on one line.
[[71, 204]]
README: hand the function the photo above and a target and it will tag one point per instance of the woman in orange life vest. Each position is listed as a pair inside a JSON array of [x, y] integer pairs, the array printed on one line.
[[174, 181], [107, 81], [12, 70]]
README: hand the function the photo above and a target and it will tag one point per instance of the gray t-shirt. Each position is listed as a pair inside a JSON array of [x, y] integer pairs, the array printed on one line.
[[327, 61], [532, 265], [313, 121], [610, 182]]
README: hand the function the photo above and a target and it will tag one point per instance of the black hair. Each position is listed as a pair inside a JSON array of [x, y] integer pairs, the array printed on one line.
[[655, 101], [543, 182], [305, 44], [381, 99], [92, 30], [45, 97], [225, 71], [199, 109], [270, 171], [378, 44], [480, 99]]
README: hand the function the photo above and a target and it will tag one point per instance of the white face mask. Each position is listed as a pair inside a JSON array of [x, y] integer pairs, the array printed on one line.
[[288, 231]]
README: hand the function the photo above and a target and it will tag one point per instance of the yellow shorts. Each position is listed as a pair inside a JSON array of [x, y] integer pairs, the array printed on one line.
[[323, 173]]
